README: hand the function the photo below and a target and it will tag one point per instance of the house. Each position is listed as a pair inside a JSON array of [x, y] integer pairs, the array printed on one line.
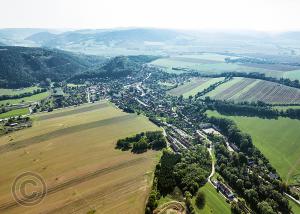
[[273, 175], [225, 190]]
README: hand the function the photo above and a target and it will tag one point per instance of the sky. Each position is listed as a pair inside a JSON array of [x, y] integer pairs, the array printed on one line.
[[261, 15]]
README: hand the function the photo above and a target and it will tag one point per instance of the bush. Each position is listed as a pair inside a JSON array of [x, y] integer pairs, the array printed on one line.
[[200, 200]]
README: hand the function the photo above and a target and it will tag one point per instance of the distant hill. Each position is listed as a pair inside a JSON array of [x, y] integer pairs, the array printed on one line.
[[117, 67], [21, 66], [105, 36]]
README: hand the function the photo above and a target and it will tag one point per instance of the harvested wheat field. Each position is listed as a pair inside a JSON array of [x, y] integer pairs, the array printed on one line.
[[74, 151]]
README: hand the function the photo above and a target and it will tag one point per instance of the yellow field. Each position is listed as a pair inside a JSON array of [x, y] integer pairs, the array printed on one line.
[[73, 150]]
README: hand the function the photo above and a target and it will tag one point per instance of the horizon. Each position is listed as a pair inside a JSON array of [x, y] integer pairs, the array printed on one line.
[[232, 15]]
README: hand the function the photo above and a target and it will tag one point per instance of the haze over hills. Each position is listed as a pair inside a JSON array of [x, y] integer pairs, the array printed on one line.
[[133, 41]]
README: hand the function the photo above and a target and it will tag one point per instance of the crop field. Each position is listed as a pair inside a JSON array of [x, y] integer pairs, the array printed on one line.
[[194, 86], [74, 151], [13, 113], [215, 203], [212, 64], [33, 98], [277, 139], [293, 75], [245, 89]]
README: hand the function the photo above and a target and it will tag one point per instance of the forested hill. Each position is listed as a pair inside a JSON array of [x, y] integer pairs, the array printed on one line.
[[117, 67], [21, 66]]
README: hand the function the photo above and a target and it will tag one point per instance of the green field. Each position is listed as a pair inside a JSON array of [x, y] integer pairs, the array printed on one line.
[[215, 203], [293, 75], [295, 207], [194, 86], [33, 98], [277, 139], [4, 91], [13, 113], [283, 108], [208, 63]]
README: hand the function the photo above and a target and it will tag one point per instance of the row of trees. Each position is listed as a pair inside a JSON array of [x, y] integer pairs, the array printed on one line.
[[251, 109], [264, 194], [212, 87], [142, 142]]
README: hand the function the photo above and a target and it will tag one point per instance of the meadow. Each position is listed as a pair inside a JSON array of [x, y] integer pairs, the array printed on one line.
[[277, 139], [13, 113], [245, 89], [4, 91], [33, 98], [74, 151], [192, 87], [215, 203]]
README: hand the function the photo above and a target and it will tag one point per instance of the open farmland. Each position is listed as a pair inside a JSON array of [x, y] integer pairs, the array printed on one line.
[[74, 151], [246, 89], [192, 87], [277, 139], [210, 63]]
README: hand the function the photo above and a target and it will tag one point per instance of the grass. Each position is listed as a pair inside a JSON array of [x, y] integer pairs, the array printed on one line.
[[293, 75], [74, 151], [4, 91], [277, 139], [13, 113], [295, 207], [283, 108], [215, 203], [33, 98], [74, 85]]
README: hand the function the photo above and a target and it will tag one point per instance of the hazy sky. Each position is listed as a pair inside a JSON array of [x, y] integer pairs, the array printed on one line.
[[267, 15]]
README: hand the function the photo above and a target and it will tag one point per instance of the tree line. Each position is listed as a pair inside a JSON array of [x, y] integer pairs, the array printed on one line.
[[258, 109]]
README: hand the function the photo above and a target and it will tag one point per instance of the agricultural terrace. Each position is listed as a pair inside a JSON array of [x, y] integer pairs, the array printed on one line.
[[215, 203], [245, 89], [193, 86], [210, 63], [13, 113], [74, 151], [277, 139]]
